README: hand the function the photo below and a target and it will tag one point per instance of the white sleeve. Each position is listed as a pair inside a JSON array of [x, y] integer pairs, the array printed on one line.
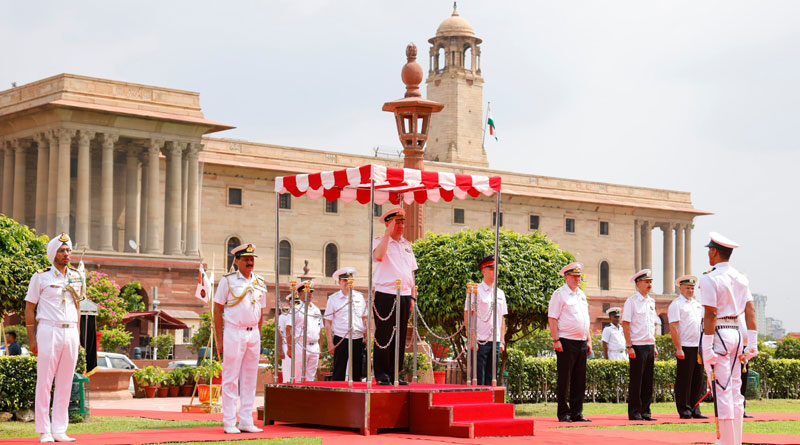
[[605, 335], [221, 296], [33, 289], [627, 311], [673, 313]]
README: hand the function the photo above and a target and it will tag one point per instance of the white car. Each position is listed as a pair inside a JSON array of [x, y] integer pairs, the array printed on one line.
[[113, 360]]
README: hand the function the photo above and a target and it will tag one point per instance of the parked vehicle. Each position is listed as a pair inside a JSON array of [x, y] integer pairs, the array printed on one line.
[[112, 360]]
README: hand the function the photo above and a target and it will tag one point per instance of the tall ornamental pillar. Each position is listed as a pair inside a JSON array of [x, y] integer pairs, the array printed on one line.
[[42, 176], [63, 195], [107, 192], [637, 246], [52, 182], [131, 196], [8, 178], [193, 201], [20, 162], [687, 243], [83, 200], [647, 246], [155, 225], [143, 205], [669, 259], [679, 260], [172, 217]]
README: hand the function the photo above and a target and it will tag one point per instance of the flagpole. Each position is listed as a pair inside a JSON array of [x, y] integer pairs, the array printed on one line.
[[213, 327], [485, 122]]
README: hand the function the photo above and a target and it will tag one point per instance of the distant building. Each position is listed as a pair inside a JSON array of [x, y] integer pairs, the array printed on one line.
[[775, 328], [760, 301]]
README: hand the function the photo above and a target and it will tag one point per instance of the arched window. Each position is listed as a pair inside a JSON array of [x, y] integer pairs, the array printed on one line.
[[331, 259], [468, 58], [231, 244], [285, 258], [441, 59], [604, 276]]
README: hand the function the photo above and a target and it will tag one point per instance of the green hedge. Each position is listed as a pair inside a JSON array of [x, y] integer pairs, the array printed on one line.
[[17, 382]]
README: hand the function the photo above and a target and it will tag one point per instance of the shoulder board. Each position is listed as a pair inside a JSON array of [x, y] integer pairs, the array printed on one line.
[[43, 270], [229, 274], [70, 266], [709, 270]]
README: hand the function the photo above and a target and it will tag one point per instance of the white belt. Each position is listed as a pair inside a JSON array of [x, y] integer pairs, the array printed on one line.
[[241, 326], [58, 324]]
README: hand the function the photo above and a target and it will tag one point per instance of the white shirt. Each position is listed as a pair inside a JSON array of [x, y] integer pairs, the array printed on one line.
[[247, 312], [726, 289], [337, 311], [615, 339], [47, 291], [572, 312], [283, 319], [689, 316], [398, 262], [640, 312], [314, 323], [485, 303]]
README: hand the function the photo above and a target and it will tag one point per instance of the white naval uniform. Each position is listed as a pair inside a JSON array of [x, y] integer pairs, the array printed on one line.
[[285, 362], [614, 336], [241, 344], [728, 290], [572, 312], [337, 312], [689, 316], [312, 342], [485, 303], [58, 341], [640, 312]]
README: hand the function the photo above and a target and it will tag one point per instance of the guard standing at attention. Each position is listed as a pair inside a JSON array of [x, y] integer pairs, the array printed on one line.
[[240, 299], [285, 362], [568, 317], [613, 337], [337, 314], [485, 321], [685, 327], [394, 259], [639, 321], [725, 295], [294, 329], [52, 319]]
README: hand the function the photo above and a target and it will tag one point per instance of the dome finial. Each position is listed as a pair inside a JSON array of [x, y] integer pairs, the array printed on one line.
[[412, 72], [455, 12]]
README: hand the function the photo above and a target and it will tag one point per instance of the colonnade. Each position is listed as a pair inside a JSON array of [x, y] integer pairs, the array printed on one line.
[[677, 249]]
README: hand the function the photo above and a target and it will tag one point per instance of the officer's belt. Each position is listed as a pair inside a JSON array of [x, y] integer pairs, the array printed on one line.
[[240, 326], [58, 324]]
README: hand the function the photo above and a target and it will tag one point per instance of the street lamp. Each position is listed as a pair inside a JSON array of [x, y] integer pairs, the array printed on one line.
[[412, 115], [154, 292]]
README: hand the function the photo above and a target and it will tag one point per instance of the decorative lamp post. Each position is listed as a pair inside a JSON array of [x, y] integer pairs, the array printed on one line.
[[412, 114]]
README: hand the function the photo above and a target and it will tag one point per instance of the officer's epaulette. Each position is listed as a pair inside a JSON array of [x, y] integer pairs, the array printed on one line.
[[71, 267], [709, 270], [229, 274], [43, 270]]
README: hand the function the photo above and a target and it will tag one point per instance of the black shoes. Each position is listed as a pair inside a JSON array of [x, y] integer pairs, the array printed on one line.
[[383, 382], [579, 418], [686, 416], [648, 418], [402, 382], [747, 416], [699, 416], [635, 417], [565, 418]]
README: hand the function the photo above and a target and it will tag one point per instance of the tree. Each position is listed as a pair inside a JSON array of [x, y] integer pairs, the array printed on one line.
[[132, 294], [104, 292], [527, 273], [22, 253]]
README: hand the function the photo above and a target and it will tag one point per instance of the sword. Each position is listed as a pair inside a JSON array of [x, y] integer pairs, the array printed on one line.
[[714, 391]]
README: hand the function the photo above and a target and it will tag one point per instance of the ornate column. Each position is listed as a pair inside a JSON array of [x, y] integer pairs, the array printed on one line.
[[172, 217], [678, 252], [52, 181], [647, 246], [65, 136], [687, 243], [184, 194], [143, 157], [155, 228], [83, 200], [19, 198], [8, 178], [131, 197], [669, 259], [637, 246], [107, 192], [193, 201], [42, 176]]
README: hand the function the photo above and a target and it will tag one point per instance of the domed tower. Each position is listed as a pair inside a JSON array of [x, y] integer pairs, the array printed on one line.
[[454, 79]]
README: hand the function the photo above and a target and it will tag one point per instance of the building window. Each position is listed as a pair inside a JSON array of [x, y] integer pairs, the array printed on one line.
[[331, 259], [234, 196], [233, 242], [570, 225], [458, 216], [285, 258], [534, 222], [494, 218], [377, 210], [332, 206], [604, 276], [285, 201], [604, 227]]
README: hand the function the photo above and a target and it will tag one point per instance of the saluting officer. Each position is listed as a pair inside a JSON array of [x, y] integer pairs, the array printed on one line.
[[725, 295], [685, 325], [394, 259], [485, 321], [52, 319], [337, 314], [639, 321], [568, 317], [241, 298], [613, 338], [313, 338]]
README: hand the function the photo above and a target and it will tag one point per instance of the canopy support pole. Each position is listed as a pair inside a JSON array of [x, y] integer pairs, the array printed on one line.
[[370, 296], [498, 218]]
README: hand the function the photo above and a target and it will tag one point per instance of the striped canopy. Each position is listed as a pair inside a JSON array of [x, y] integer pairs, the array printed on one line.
[[391, 184]]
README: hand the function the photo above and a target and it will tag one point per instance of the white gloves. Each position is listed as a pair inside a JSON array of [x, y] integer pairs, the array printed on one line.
[[709, 356], [752, 344]]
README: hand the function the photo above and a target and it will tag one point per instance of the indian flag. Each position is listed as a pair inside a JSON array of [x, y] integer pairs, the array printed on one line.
[[490, 123]]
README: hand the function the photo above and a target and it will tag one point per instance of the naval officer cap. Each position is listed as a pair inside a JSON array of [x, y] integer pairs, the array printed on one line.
[[397, 212], [719, 240], [689, 280], [487, 261], [56, 243], [613, 311], [244, 250], [644, 274], [574, 268], [344, 273], [301, 287]]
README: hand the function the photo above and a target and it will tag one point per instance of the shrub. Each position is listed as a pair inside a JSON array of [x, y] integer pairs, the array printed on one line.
[[200, 337], [147, 376], [114, 339], [207, 370], [788, 347], [17, 382], [537, 344], [666, 348], [164, 343], [22, 253], [268, 338], [105, 293], [423, 364], [131, 293]]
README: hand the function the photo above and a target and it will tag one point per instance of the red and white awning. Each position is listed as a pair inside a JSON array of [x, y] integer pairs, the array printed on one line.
[[391, 184]]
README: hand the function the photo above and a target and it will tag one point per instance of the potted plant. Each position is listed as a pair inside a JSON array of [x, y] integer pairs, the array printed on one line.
[[208, 371], [184, 380], [148, 377], [174, 385], [163, 383], [439, 373]]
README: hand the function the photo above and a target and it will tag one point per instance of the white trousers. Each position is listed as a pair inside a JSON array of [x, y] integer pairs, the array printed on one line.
[[57, 356], [728, 372], [242, 349], [312, 362]]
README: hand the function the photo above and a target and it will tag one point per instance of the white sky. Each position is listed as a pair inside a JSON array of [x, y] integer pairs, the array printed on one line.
[[685, 95]]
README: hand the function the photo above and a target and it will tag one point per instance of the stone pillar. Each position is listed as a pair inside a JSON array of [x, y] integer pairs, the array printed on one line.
[[172, 211], [65, 136], [20, 193], [52, 182], [669, 259], [637, 246], [687, 250], [8, 178], [193, 201], [647, 246], [143, 203], [184, 195], [679, 260], [131, 197], [42, 176], [107, 192], [83, 200], [155, 226]]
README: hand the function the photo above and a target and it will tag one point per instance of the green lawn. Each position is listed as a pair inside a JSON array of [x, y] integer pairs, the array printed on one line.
[[282, 441], [772, 427], [102, 425], [592, 409]]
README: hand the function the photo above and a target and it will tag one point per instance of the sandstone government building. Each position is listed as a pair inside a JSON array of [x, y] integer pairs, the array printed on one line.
[[112, 162]]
